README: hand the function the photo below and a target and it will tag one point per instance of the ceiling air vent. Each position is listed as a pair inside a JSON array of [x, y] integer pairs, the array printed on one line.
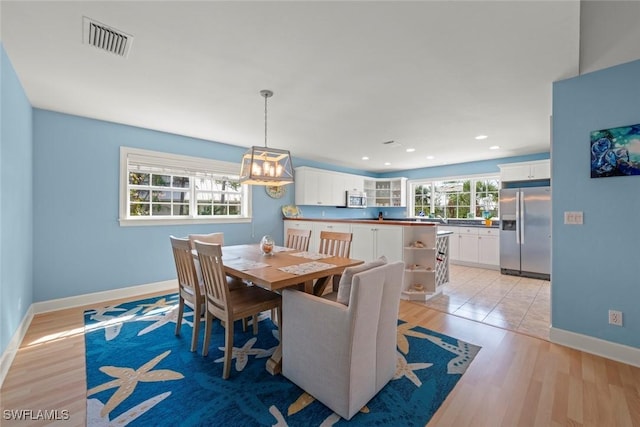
[[392, 144], [105, 37]]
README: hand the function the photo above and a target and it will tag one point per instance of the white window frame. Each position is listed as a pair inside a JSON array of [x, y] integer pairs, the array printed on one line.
[[429, 181], [181, 164]]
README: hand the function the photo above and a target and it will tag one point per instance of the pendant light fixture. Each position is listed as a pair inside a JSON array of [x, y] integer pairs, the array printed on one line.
[[263, 165]]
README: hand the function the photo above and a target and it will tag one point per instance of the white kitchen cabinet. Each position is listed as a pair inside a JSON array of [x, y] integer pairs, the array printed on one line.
[[474, 246], [454, 242], [318, 227], [525, 171], [319, 187], [390, 192], [372, 241], [488, 246], [468, 238], [301, 225], [316, 187]]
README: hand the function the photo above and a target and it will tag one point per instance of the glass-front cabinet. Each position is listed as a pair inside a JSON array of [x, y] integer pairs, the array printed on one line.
[[386, 192]]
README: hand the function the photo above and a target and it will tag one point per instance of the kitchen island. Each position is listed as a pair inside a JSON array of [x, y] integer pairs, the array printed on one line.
[[420, 245]]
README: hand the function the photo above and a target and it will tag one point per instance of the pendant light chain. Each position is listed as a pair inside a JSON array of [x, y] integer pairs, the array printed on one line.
[[266, 95]]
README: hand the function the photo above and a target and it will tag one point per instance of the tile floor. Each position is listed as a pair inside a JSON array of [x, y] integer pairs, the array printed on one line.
[[516, 303]]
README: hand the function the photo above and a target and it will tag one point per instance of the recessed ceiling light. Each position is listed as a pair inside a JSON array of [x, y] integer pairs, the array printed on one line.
[[365, 158], [430, 157], [494, 147], [387, 163], [410, 150], [479, 137]]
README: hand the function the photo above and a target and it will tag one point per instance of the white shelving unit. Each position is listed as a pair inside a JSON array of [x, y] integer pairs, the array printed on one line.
[[426, 259], [389, 192]]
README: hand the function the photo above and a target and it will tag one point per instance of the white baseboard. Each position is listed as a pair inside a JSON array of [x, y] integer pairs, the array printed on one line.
[[76, 301], [12, 348], [96, 297], [476, 265], [599, 347]]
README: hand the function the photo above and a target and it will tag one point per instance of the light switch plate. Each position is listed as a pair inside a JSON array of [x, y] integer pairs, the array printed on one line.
[[573, 217]]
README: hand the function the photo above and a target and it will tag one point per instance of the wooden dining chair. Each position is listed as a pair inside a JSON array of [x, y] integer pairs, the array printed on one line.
[[336, 244], [206, 238], [189, 289], [226, 305], [298, 238], [234, 282]]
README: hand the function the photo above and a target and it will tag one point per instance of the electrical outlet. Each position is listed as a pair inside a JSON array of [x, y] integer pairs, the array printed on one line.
[[615, 317], [573, 218]]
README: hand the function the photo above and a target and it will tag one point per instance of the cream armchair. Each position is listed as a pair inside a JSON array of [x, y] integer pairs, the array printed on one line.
[[343, 355]]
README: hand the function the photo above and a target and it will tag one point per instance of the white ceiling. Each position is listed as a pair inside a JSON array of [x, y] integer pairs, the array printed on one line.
[[347, 76]]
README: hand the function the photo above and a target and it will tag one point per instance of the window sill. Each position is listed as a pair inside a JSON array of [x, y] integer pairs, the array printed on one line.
[[142, 222]]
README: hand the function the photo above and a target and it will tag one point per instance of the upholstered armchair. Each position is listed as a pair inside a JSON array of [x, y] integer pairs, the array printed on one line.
[[343, 355]]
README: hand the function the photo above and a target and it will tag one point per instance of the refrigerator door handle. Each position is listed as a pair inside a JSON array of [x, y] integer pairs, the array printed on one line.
[[518, 218], [521, 219]]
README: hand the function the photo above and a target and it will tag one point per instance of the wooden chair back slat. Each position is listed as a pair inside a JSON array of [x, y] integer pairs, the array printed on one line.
[[298, 239], [335, 243], [185, 267], [213, 275], [206, 238]]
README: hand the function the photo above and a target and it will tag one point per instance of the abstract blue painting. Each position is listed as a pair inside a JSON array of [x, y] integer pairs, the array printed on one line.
[[615, 151]]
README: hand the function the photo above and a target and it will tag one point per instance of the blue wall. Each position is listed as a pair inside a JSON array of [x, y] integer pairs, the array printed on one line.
[[79, 245], [595, 266], [16, 195]]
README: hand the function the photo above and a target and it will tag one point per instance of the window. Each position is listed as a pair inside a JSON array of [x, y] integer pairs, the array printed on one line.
[[471, 197], [161, 188]]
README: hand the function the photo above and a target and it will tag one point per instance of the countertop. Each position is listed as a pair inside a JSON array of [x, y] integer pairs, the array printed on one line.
[[401, 221]]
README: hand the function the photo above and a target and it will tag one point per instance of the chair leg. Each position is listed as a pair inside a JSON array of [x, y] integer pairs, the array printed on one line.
[[228, 350], [254, 319], [245, 324], [207, 333], [179, 319], [196, 327]]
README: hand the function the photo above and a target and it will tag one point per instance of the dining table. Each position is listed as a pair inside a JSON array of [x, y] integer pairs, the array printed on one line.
[[282, 268]]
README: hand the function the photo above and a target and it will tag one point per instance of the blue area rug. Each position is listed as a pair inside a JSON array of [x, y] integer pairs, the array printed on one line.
[[140, 373]]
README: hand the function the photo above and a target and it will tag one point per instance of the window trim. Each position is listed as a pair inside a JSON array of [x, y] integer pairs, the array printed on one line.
[[176, 161], [411, 183]]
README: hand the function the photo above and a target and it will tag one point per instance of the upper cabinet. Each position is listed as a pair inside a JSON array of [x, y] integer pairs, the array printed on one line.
[[386, 192], [321, 187], [525, 171]]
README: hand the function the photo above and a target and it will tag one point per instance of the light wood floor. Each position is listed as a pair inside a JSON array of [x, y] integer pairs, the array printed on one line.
[[516, 379]]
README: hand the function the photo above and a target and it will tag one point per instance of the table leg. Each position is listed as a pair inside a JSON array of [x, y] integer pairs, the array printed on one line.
[[321, 284], [274, 363], [308, 286]]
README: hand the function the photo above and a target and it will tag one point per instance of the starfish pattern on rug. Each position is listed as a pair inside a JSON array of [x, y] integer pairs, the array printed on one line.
[[128, 378], [465, 354], [110, 323], [241, 354], [101, 311], [404, 369], [281, 422], [95, 419], [161, 303], [265, 400], [161, 319], [404, 331]]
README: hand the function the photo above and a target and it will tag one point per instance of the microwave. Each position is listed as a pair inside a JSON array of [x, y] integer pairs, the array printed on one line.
[[356, 199]]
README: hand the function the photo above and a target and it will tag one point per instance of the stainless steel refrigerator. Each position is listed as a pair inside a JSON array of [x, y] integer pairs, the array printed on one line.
[[525, 231]]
